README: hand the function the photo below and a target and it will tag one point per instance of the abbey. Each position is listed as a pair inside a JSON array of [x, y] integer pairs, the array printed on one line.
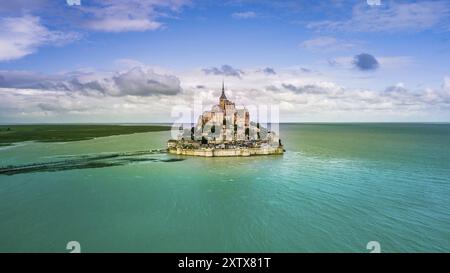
[[225, 131], [224, 123]]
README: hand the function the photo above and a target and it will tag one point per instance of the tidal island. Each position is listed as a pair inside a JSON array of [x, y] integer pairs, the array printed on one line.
[[225, 131]]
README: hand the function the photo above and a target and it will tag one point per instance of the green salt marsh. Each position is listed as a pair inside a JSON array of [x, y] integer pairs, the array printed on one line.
[[69, 132]]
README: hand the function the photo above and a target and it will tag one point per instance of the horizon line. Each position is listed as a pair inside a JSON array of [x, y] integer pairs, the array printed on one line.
[[166, 123]]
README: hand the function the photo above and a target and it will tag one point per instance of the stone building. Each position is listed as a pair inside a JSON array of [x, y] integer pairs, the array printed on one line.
[[225, 131], [225, 123]]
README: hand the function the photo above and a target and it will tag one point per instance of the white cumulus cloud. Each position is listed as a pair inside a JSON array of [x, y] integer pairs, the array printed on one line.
[[139, 94], [128, 15], [244, 15], [137, 81], [327, 43], [20, 36], [390, 17]]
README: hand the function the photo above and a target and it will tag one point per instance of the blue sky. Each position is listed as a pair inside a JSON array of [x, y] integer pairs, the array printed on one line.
[[333, 60]]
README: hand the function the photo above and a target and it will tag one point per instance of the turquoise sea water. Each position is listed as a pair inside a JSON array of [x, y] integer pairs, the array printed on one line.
[[337, 187]]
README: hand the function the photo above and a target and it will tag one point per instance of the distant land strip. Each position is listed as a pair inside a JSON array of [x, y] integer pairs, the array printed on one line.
[[10, 134]]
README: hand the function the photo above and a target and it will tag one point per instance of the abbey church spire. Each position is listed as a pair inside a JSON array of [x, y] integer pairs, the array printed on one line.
[[223, 97]]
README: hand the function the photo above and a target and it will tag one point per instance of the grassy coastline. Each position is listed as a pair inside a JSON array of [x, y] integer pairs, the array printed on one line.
[[10, 134]]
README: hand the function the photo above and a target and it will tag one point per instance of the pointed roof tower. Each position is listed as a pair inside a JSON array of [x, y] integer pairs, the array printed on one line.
[[223, 97]]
